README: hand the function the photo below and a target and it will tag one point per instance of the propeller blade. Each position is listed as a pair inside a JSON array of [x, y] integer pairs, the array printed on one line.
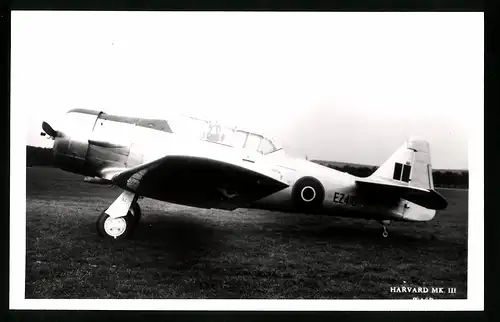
[[49, 130]]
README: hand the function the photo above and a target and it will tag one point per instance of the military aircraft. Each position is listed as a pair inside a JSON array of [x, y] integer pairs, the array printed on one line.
[[198, 163]]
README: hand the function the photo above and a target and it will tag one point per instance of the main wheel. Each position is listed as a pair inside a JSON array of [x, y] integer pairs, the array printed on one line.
[[116, 228], [308, 193]]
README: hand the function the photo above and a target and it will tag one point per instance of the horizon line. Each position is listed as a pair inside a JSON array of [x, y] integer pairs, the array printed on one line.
[[313, 160]]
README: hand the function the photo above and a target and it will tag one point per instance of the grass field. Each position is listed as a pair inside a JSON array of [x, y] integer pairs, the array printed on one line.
[[183, 252]]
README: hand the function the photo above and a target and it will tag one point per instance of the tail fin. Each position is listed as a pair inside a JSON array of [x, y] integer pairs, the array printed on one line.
[[410, 164]]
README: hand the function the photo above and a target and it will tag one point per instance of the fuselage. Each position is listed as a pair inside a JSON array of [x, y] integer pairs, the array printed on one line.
[[91, 141]]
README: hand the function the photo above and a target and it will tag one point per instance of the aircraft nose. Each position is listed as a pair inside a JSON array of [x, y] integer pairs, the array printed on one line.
[[61, 141], [72, 140], [49, 130]]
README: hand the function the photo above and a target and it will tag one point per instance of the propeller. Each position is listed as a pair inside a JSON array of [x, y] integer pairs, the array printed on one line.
[[49, 130]]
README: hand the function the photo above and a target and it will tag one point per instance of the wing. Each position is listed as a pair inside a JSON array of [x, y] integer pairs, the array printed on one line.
[[393, 191], [196, 181]]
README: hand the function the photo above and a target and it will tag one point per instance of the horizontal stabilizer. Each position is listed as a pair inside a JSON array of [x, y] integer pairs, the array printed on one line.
[[428, 198]]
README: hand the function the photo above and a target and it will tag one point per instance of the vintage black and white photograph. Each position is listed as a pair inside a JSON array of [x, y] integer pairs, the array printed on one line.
[[246, 155]]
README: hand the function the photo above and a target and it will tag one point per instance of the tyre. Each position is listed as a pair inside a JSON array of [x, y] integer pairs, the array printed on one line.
[[116, 228], [136, 213], [308, 194]]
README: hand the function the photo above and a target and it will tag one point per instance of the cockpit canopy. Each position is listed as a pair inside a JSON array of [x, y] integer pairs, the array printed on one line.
[[221, 134]]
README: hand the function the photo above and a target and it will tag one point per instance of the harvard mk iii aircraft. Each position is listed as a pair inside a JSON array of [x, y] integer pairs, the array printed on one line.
[[197, 163]]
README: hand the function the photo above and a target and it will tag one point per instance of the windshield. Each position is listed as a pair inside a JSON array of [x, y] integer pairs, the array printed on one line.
[[222, 134]]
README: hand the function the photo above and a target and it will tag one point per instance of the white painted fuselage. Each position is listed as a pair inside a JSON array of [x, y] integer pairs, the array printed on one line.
[[114, 143]]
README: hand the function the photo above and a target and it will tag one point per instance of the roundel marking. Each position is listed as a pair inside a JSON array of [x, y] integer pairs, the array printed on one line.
[[308, 193]]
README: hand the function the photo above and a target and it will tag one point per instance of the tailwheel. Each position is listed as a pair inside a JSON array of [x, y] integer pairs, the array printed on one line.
[[120, 227], [384, 224], [385, 233]]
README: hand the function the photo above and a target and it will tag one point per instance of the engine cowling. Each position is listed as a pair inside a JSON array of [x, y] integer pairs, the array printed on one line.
[[71, 146]]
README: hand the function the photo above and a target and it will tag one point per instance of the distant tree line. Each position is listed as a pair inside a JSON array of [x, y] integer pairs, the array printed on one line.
[[451, 179], [37, 156], [441, 178], [357, 171]]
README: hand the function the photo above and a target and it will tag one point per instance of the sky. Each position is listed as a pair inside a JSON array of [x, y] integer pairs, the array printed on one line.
[[349, 87]]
